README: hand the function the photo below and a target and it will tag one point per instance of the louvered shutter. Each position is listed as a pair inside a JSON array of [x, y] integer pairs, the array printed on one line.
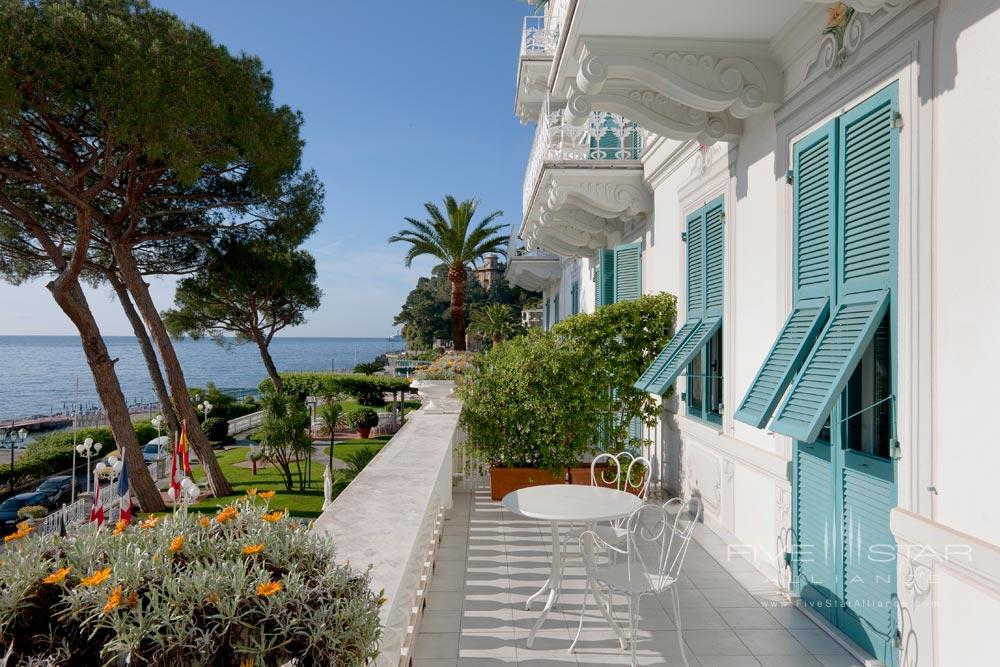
[[714, 252], [685, 354], [548, 308], [814, 214], [628, 272], [555, 310], [574, 297], [668, 353], [869, 154], [829, 366], [605, 287], [606, 141], [696, 264]]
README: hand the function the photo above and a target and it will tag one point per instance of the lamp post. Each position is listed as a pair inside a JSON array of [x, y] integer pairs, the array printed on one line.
[[157, 423], [205, 407], [87, 449], [12, 439]]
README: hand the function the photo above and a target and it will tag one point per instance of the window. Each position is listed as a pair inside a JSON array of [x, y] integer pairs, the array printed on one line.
[[697, 348], [868, 422]]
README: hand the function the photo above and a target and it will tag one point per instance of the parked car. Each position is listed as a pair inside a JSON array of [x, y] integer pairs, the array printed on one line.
[[58, 488], [155, 449], [8, 509]]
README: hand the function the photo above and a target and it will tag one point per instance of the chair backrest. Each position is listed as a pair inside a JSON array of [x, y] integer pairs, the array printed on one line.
[[658, 540], [621, 471]]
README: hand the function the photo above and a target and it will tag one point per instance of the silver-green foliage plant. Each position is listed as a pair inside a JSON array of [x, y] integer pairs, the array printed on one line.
[[249, 586]]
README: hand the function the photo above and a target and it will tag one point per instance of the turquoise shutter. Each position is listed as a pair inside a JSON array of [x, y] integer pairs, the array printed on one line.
[[555, 310], [548, 305], [826, 371], [714, 255], [814, 211], [668, 353], [695, 264], [684, 355], [605, 143], [628, 272], [574, 296], [605, 286]]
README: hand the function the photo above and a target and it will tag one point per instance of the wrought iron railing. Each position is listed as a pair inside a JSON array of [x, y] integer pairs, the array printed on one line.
[[604, 136], [539, 37]]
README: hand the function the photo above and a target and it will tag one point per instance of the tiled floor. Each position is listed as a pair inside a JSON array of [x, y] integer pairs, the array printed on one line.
[[491, 561]]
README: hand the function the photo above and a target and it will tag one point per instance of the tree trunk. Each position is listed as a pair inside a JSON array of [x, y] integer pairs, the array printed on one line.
[[457, 277], [265, 355], [149, 354], [139, 290], [73, 302]]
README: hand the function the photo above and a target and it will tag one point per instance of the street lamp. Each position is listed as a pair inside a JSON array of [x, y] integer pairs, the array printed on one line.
[[157, 423], [205, 407], [87, 449], [13, 439]]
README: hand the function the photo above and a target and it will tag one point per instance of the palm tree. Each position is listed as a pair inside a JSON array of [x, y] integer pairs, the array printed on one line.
[[495, 320], [331, 414], [456, 242]]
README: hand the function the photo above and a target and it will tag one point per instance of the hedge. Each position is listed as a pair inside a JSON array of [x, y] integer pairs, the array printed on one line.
[[54, 453], [361, 387]]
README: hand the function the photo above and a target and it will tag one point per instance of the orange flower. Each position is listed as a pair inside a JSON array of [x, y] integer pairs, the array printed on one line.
[[133, 599], [268, 588], [150, 522], [226, 514], [96, 578], [114, 599], [120, 527], [266, 495], [837, 15], [176, 544], [251, 549], [204, 522], [58, 576], [13, 536], [271, 517], [252, 492], [248, 661], [212, 598]]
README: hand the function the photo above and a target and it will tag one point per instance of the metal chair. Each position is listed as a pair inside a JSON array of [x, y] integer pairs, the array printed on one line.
[[656, 542], [605, 473]]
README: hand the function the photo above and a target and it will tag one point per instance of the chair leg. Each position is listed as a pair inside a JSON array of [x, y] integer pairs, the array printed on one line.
[[677, 619]]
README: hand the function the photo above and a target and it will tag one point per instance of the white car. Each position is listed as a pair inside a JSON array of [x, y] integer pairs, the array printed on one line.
[[155, 449]]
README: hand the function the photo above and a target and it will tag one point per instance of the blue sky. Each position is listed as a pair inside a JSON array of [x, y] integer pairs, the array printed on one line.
[[404, 102]]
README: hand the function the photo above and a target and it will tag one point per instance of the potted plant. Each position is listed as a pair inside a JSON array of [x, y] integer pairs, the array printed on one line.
[[530, 411], [33, 514], [363, 420]]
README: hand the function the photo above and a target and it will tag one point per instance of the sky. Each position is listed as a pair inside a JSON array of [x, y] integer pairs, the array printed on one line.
[[404, 101]]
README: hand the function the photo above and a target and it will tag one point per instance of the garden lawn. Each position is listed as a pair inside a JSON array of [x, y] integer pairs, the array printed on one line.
[[308, 503]]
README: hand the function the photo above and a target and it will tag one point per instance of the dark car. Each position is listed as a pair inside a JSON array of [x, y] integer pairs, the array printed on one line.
[[57, 489], [8, 509]]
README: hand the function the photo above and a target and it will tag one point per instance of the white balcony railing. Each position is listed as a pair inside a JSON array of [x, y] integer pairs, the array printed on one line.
[[539, 37], [605, 136]]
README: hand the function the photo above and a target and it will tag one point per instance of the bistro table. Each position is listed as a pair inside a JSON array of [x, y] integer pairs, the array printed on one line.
[[569, 503]]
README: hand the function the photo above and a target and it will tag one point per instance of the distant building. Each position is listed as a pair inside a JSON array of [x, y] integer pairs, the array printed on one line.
[[489, 273], [531, 317]]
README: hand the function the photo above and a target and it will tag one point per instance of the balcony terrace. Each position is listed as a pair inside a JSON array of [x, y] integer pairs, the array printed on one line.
[[583, 183], [539, 39]]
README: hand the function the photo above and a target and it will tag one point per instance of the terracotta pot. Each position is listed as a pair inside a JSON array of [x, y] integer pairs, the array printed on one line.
[[505, 480], [582, 476], [364, 432]]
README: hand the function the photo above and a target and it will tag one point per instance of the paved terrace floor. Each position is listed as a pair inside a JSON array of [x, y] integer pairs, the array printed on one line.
[[490, 561]]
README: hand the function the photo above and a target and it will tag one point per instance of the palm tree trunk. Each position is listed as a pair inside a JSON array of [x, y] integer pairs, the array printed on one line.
[[457, 277], [149, 354], [73, 302], [139, 290]]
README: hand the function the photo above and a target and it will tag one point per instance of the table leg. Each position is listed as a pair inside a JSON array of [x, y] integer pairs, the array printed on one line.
[[554, 583]]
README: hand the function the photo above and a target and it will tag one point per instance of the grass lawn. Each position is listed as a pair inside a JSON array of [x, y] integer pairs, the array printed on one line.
[[308, 503]]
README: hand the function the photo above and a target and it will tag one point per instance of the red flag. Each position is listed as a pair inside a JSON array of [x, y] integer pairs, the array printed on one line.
[[97, 510], [175, 484], [182, 447]]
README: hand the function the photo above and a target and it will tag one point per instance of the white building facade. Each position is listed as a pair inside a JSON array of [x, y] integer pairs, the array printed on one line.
[[811, 180]]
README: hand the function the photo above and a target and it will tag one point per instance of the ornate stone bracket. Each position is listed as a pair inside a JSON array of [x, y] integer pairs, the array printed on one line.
[[841, 41], [680, 90]]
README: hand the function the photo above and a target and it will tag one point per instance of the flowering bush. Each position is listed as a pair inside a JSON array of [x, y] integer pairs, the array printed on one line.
[[449, 366], [247, 587]]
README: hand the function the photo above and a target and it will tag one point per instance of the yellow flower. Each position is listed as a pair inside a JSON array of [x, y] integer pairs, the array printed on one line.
[[268, 588], [204, 522], [251, 549], [274, 516], [266, 495], [13, 536], [58, 576], [248, 662], [150, 522], [114, 599], [226, 514], [176, 544], [252, 492], [120, 527], [96, 578]]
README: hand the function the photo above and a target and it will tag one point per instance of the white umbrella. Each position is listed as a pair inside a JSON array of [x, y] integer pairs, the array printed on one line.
[[327, 488]]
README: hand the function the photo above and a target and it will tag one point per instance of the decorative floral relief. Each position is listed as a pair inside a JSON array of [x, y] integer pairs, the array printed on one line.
[[838, 17]]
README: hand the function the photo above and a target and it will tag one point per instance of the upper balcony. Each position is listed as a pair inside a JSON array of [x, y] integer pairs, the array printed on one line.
[[583, 183], [530, 269], [539, 39]]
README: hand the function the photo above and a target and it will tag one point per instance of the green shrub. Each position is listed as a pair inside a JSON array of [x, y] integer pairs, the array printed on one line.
[[32, 512], [356, 462], [144, 431], [216, 429], [178, 590], [362, 417], [369, 368], [369, 387]]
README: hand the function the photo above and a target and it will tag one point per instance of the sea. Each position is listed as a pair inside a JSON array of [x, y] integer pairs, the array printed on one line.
[[39, 374]]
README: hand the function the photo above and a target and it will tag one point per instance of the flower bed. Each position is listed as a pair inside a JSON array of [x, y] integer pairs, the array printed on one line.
[[248, 586]]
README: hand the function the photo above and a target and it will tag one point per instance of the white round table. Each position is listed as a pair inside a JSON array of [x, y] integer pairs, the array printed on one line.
[[569, 503]]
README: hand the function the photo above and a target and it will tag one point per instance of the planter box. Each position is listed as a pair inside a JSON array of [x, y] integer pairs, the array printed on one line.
[[505, 480], [582, 476]]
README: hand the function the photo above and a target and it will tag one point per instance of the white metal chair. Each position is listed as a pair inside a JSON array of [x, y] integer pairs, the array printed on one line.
[[610, 470], [656, 540]]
